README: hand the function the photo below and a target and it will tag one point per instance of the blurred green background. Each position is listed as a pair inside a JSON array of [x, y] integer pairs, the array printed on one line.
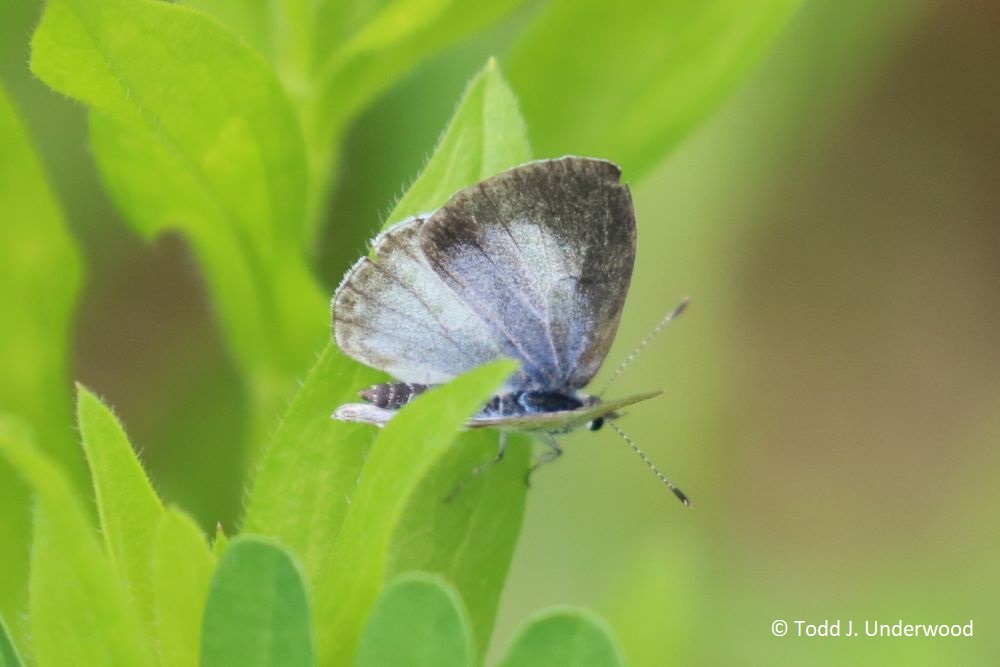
[[832, 397]]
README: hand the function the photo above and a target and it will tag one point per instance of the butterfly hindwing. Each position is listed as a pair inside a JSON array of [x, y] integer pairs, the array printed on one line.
[[560, 422], [394, 313]]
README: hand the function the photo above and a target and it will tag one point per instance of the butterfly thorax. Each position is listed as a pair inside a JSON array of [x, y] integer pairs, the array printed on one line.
[[530, 402]]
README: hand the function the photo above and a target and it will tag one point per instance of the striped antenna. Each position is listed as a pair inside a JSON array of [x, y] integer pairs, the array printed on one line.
[[670, 317], [656, 471]]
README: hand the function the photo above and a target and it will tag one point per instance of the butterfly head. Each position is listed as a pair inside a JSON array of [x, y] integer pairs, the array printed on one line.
[[595, 424]]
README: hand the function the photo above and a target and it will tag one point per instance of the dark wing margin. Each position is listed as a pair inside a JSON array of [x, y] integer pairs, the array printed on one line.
[[543, 254]]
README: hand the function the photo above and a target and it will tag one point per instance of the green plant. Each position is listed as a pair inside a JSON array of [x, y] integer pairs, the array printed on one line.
[[220, 120]]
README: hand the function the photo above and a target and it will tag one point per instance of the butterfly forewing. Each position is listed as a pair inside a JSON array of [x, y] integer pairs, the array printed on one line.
[[547, 421], [543, 254]]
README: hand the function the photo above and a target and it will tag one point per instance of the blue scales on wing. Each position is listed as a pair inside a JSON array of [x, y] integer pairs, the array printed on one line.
[[543, 254], [533, 264], [393, 313]]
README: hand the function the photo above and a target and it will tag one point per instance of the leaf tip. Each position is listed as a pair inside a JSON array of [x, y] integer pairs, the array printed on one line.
[[83, 392]]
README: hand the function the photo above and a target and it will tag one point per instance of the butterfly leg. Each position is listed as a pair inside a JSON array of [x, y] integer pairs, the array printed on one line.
[[480, 469], [554, 452]]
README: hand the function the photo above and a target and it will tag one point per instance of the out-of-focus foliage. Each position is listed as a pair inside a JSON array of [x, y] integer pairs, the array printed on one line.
[[39, 277], [335, 57], [8, 654], [634, 77], [563, 638], [192, 131]]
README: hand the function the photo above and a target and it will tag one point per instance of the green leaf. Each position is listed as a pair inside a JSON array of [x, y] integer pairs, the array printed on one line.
[[8, 654], [395, 38], [308, 479], [181, 571], [474, 534], [564, 637], [79, 613], [485, 136], [418, 621], [257, 613], [309, 471], [404, 451], [335, 57], [378, 43], [39, 279], [256, 21], [127, 505], [628, 80], [192, 131]]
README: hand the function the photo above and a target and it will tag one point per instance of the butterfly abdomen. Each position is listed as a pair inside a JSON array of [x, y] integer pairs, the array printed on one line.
[[520, 403], [392, 395]]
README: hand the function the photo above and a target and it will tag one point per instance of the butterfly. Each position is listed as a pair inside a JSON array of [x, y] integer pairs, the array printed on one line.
[[532, 264]]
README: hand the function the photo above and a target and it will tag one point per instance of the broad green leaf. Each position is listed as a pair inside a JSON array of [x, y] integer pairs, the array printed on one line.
[[192, 131], [309, 471], [181, 570], [257, 614], [395, 38], [564, 637], [256, 21], [127, 505], [418, 621], [78, 612], [308, 478], [282, 31], [39, 278], [628, 80], [8, 654], [390, 39], [485, 136], [334, 57], [404, 451], [474, 534]]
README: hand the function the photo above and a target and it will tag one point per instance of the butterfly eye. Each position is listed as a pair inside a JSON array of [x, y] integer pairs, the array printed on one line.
[[597, 424]]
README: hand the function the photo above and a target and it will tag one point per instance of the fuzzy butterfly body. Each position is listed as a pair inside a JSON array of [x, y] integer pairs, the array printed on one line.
[[533, 264]]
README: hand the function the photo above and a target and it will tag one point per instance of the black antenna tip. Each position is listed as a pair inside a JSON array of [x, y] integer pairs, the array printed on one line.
[[683, 498]]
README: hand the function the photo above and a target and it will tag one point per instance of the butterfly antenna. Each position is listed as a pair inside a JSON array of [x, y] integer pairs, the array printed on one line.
[[671, 316], [656, 471]]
